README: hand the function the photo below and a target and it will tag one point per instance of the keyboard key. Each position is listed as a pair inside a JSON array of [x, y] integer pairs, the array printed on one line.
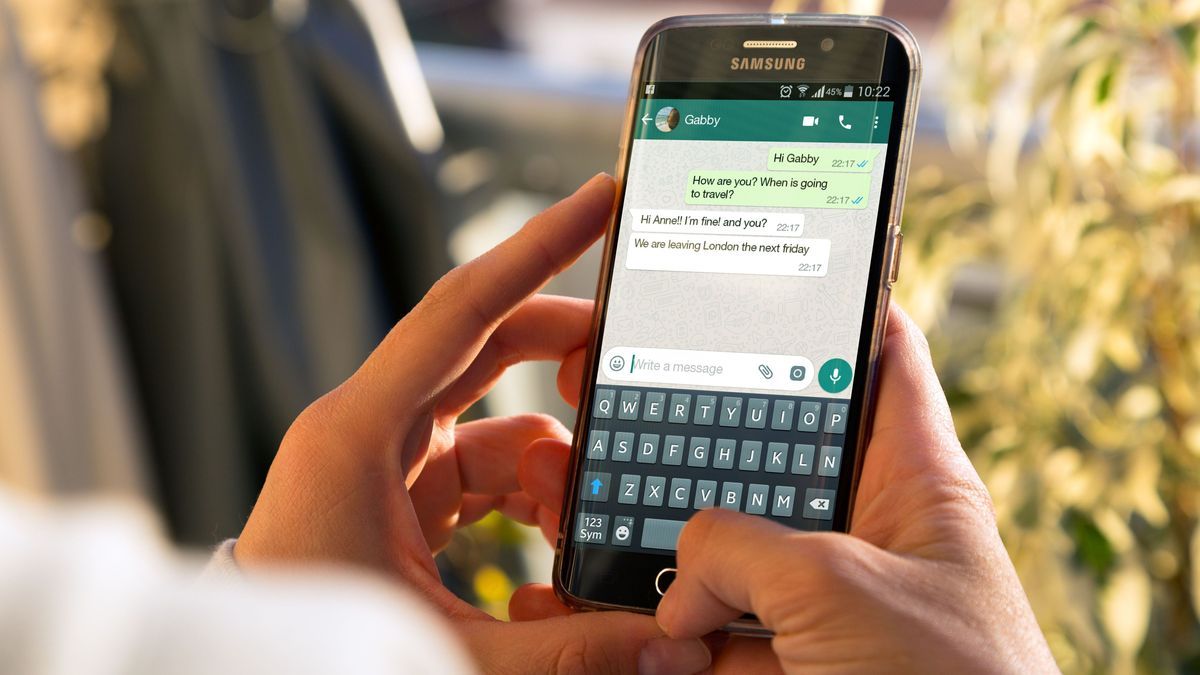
[[831, 461], [653, 495], [731, 496], [597, 445], [818, 504], [835, 418], [681, 404], [646, 442], [776, 457], [751, 456], [592, 528], [622, 446], [681, 493], [673, 452], [647, 453], [652, 409], [756, 413], [706, 410], [781, 415], [706, 494], [595, 486], [803, 460], [810, 416], [723, 453], [731, 411], [629, 488], [630, 403], [673, 445], [698, 453], [661, 534], [622, 531], [756, 499], [785, 499], [602, 407]]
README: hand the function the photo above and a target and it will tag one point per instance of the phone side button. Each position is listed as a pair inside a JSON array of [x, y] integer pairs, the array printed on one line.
[[663, 580], [894, 272]]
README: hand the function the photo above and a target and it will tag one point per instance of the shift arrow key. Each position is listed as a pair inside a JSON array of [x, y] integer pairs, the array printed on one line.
[[594, 487]]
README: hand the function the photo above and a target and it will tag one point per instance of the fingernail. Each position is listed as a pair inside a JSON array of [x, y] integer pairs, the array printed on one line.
[[665, 656], [593, 180], [662, 615]]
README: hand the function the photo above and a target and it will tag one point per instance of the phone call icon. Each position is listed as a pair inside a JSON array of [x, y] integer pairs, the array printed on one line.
[[842, 121]]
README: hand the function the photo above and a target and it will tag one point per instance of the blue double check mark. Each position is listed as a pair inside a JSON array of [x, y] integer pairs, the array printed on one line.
[[857, 201], [862, 164]]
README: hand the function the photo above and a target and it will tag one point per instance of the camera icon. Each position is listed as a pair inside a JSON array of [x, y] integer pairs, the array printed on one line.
[[617, 363], [797, 373]]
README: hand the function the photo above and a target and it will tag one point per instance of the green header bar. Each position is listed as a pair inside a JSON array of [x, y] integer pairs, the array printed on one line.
[[808, 121]]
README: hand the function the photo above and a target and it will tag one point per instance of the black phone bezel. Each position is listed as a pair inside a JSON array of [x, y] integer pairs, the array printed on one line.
[[601, 577]]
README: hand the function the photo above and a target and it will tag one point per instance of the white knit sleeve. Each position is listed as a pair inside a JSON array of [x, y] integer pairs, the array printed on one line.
[[93, 588], [222, 564]]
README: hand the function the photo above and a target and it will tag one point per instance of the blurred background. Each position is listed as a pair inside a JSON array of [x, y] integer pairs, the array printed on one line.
[[211, 210]]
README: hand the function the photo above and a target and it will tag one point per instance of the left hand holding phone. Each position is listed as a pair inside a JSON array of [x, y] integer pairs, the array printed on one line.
[[378, 474]]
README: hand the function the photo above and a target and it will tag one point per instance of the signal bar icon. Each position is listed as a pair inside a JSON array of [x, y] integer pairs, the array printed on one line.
[[820, 93]]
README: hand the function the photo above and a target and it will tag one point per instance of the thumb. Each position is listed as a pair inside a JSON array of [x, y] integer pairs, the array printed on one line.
[[780, 572], [594, 642]]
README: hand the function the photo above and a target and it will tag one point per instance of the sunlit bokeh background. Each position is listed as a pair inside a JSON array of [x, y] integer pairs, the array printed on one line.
[[210, 211]]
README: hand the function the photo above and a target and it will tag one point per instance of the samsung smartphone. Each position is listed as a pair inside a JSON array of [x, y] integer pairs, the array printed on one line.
[[743, 296]]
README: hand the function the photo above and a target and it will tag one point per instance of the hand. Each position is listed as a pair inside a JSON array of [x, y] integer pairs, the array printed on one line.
[[378, 473], [922, 584]]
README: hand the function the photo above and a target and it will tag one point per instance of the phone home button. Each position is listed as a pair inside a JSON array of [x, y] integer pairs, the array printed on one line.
[[662, 581]]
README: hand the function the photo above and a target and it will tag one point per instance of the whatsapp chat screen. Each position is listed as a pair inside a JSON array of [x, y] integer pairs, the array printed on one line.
[[744, 244], [735, 305]]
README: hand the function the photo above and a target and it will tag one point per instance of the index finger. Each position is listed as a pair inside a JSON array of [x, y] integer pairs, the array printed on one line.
[[913, 431], [435, 343]]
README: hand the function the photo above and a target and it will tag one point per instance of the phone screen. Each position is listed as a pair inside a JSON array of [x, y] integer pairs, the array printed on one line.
[[738, 302]]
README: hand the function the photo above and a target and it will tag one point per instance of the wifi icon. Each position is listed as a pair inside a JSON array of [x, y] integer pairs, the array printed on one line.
[[801, 90]]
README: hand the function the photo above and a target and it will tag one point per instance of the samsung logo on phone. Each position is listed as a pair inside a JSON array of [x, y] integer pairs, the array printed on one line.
[[766, 63]]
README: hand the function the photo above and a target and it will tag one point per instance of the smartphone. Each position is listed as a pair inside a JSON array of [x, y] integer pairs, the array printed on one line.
[[743, 295]]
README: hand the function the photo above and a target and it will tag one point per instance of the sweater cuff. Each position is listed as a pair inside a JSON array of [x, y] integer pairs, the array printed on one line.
[[222, 564]]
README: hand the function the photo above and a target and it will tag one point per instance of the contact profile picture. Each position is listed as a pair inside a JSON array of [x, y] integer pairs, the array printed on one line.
[[666, 119]]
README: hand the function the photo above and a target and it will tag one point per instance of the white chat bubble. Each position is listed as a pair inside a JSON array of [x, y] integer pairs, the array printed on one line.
[[773, 256], [718, 222]]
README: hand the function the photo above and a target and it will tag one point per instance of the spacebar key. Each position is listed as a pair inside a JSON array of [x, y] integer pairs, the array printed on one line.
[[661, 534]]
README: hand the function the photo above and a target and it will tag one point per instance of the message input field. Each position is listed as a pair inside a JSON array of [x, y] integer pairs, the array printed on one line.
[[735, 370]]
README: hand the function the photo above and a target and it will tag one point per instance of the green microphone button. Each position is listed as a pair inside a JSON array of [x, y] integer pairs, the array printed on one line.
[[834, 375]]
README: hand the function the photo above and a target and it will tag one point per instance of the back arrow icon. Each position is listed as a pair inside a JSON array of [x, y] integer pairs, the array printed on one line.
[[646, 119]]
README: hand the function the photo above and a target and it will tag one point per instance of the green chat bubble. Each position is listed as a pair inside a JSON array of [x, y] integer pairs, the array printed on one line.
[[760, 188], [822, 159]]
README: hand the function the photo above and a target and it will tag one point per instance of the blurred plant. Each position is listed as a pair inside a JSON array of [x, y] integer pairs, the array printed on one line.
[[484, 562], [1079, 398], [68, 44]]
